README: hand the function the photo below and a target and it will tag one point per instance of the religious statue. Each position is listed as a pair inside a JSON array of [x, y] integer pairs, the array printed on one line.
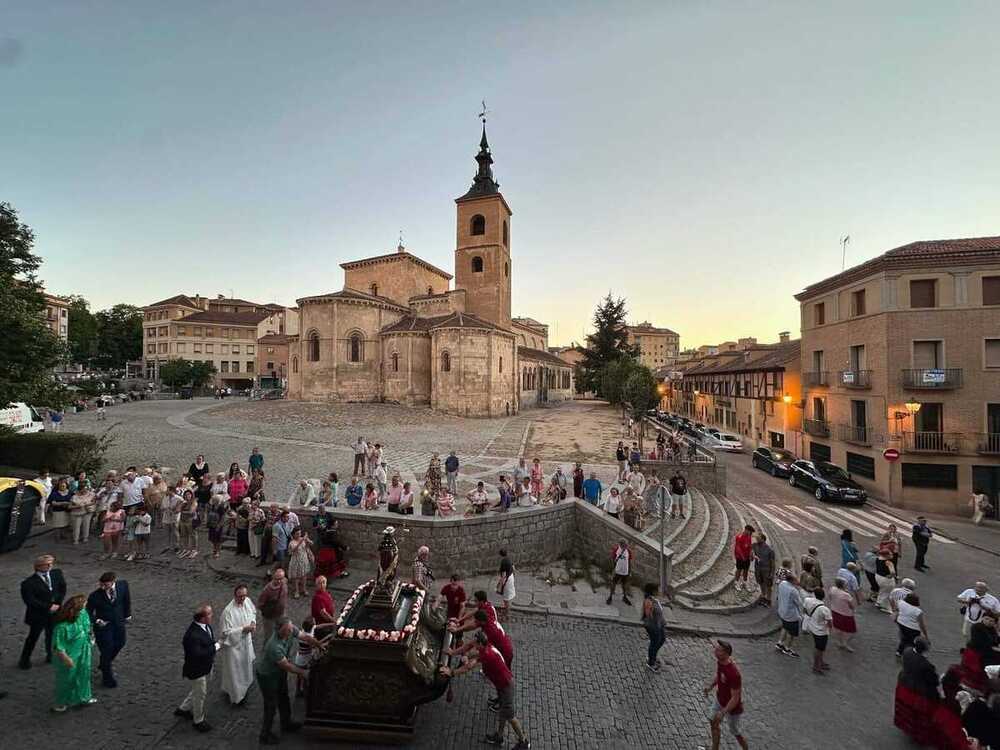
[[388, 558]]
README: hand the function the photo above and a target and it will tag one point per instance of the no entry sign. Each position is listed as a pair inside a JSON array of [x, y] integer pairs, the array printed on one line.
[[890, 454]]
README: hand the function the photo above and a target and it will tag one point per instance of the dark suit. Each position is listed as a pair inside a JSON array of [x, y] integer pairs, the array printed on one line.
[[110, 636], [38, 599], [199, 651]]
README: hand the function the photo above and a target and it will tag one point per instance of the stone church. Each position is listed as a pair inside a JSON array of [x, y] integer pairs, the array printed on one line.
[[398, 331]]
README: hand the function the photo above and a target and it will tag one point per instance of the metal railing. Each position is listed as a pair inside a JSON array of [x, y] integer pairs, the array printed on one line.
[[932, 442], [932, 378], [988, 443], [817, 427], [855, 378], [857, 434], [814, 379]]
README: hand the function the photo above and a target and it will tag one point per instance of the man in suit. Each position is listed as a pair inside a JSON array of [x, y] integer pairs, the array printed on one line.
[[43, 593], [199, 657], [109, 607]]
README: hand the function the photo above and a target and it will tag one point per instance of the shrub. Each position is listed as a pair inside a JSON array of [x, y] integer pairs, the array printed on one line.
[[60, 452]]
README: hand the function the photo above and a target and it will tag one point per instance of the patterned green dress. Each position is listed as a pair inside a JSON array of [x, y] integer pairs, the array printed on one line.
[[73, 639]]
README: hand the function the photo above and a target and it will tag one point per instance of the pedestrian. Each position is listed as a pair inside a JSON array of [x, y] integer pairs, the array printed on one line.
[[521, 473], [784, 570], [239, 623], [678, 489], [559, 479], [842, 604], [382, 481], [272, 602], [891, 538], [505, 584], [553, 495], [910, 621], [921, 539], [303, 496], [636, 481], [359, 456], [200, 646], [621, 456], [975, 603], [885, 577], [496, 637], [371, 497], [198, 470], [331, 559], [215, 518], [980, 506], [255, 462], [42, 593], [237, 487], [807, 579], [143, 528], [370, 459], [742, 552], [496, 671], [524, 497], [850, 578], [71, 645], [451, 472], [255, 490], [322, 607], [354, 493], [728, 684], [621, 568], [242, 523], [659, 496], [395, 493], [454, 594], [477, 499], [45, 480], [537, 478], [917, 695], [59, 507], [578, 481], [614, 505], [655, 624], [906, 586], [790, 613], [81, 512], [422, 576], [634, 456], [188, 523], [57, 420], [172, 505], [848, 549], [272, 671], [812, 554], [661, 445], [281, 535], [299, 562], [868, 564], [592, 489], [506, 492], [114, 523], [110, 609], [816, 621], [763, 568]]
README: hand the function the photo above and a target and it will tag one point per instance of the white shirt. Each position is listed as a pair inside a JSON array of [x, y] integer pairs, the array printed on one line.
[[380, 474], [908, 615], [132, 491], [359, 448], [622, 556], [974, 611], [637, 482], [819, 616], [614, 504], [143, 524]]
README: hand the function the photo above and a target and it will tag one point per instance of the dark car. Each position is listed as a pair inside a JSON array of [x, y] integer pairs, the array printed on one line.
[[826, 481], [777, 461]]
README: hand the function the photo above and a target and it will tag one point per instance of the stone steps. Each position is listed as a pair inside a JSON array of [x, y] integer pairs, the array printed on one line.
[[692, 533], [717, 569], [711, 548]]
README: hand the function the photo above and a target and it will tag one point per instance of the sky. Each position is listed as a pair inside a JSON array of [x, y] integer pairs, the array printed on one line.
[[700, 159]]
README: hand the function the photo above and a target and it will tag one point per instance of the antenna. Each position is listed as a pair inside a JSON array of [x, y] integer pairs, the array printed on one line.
[[844, 242]]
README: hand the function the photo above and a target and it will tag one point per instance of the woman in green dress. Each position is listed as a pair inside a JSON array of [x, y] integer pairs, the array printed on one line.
[[71, 644]]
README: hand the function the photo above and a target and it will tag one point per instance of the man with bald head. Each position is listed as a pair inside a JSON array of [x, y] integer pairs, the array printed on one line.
[[42, 592]]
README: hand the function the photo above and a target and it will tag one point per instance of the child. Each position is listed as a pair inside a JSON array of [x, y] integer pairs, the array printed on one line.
[[304, 654], [143, 525], [101, 416], [371, 497]]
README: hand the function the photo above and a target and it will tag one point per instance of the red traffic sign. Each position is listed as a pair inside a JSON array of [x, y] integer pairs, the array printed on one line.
[[890, 454]]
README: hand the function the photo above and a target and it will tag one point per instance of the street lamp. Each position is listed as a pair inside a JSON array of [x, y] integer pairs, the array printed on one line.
[[787, 398], [913, 406]]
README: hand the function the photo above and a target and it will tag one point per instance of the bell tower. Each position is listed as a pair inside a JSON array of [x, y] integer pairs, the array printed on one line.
[[482, 249]]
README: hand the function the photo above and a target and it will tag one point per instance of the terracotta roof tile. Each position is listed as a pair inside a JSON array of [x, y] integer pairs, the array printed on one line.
[[215, 316], [537, 355]]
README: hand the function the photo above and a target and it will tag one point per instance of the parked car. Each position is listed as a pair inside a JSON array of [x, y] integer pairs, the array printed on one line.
[[826, 481], [714, 431], [727, 442], [777, 461]]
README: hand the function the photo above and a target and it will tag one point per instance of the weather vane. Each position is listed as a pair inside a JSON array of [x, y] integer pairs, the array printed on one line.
[[484, 112]]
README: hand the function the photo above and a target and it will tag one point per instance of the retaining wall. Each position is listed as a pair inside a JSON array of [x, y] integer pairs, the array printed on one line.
[[710, 477]]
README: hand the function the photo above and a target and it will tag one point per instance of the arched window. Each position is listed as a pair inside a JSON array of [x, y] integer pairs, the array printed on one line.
[[478, 224], [312, 350], [395, 361], [445, 362], [477, 265], [295, 365], [506, 234], [374, 290], [355, 348], [506, 269], [501, 364]]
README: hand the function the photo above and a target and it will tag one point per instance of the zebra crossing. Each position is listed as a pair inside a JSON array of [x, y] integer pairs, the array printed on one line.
[[869, 521]]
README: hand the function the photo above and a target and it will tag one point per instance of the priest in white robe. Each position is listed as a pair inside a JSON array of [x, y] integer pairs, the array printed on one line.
[[239, 621]]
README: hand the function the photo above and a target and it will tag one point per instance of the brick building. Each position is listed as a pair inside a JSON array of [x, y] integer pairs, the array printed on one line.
[[657, 346], [903, 352], [57, 315]]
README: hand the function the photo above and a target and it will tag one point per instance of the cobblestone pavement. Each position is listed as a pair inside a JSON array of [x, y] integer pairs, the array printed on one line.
[[580, 684]]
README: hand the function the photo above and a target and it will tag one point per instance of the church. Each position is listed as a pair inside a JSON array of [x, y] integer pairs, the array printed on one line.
[[399, 332]]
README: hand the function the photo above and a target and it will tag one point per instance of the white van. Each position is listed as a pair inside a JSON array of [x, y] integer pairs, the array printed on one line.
[[22, 418]]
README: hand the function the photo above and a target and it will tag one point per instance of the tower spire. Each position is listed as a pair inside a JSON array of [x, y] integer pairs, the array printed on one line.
[[483, 183]]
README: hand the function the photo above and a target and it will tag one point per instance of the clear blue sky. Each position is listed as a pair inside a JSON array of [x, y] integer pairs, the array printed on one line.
[[701, 159]]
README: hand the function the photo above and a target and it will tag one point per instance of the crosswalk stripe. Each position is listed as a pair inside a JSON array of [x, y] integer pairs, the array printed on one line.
[[829, 526], [901, 524], [851, 519], [774, 519], [783, 509]]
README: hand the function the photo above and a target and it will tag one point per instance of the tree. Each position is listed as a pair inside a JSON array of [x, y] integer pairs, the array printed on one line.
[[119, 336], [201, 373], [175, 373], [608, 343], [82, 331], [29, 350]]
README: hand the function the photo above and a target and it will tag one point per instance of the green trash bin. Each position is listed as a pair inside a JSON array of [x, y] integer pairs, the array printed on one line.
[[18, 500]]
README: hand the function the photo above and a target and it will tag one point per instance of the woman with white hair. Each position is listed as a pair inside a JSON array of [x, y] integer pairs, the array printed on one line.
[[842, 604], [421, 570]]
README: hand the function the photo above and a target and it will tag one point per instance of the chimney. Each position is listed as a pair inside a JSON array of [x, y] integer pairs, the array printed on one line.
[[783, 337]]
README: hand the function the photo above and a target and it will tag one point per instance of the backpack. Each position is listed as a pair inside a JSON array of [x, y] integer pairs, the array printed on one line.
[[807, 618]]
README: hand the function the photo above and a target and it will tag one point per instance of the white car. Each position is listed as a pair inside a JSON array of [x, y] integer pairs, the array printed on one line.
[[724, 441], [22, 418]]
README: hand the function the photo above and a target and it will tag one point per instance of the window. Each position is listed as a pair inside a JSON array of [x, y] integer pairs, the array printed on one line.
[[445, 362], [819, 452], [312, 349], [209, 348], [930, 418], [181, 331], [430, 290], [269, 366], [197, 330], [858, 302], [859, 414], [927, 355], [506, 269], [197, 348], [270, 350], [236, 348], [506, 234], [934, 476], [151, 333], [817, 361], [857, 356], [151, 349], [819, 314], [819, 409], [249, 366], [250, 348], [863, 466], [224, 366], [162, 331], [993, 353], [295, 364], [501, 364], [477, 265], [374, 290], [395, 361], [478, 225], [923, 293], [209, 332], [356, 348], [991, 290], [236, 366], [163, 348]]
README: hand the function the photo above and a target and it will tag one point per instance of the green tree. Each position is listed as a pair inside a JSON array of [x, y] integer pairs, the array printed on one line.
[[82, 331], [175, 373], [608, 343], [119, 336], [28, 347], [201, 373]]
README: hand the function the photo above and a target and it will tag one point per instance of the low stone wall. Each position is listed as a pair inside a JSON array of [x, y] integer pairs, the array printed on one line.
[[597, 533], [710, 477]]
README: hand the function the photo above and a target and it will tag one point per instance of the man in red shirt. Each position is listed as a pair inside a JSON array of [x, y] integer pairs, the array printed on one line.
[[729, 695], [742, 548], [481, 602], [497, 672], [455, 595]]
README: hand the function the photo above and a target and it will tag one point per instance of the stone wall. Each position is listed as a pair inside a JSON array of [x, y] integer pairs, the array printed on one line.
[[397, 277], [597, 533], [439, 304], [411, 383], [480, 381], [710, 477]]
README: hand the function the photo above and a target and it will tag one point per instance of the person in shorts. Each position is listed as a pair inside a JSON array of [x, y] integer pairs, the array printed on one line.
[[790, 612], [728, 703], [743, 553], [143, 527]]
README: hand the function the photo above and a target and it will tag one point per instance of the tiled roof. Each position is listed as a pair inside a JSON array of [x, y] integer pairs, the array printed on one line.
[[410, 323], [537, 355], [916, 255], [646, 327], [234, 301], [215, 316], [528, 322], [177, 299], [754, 359], [451, 320], [393, 256], [352, 294]]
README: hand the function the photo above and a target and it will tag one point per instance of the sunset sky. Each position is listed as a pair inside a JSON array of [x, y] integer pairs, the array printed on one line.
[[700, 159]]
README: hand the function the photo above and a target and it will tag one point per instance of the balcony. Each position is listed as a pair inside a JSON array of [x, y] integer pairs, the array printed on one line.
[[816, 427], [855, 378], [857, 434], [932, 442], [815, 379], [932, 379], [988, 443]]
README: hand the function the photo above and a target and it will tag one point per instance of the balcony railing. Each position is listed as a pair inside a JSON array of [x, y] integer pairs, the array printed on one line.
[[855, 378], [814, 379], [932, 442], [932, 379], [817, 427], [857, 434], [988, 443]]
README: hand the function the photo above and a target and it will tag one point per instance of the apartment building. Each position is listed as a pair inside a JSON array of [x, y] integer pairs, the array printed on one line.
[[903, 352], [657, 346], [57, 315]]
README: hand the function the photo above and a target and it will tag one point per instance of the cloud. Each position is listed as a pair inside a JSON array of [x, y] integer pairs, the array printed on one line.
[[11, 51]]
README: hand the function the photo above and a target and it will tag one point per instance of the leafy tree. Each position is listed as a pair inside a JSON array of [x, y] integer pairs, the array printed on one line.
[[119, 336], [82, 331], [28, 347], [201, 373], [639, 391], [175, 373], [608, 343]]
